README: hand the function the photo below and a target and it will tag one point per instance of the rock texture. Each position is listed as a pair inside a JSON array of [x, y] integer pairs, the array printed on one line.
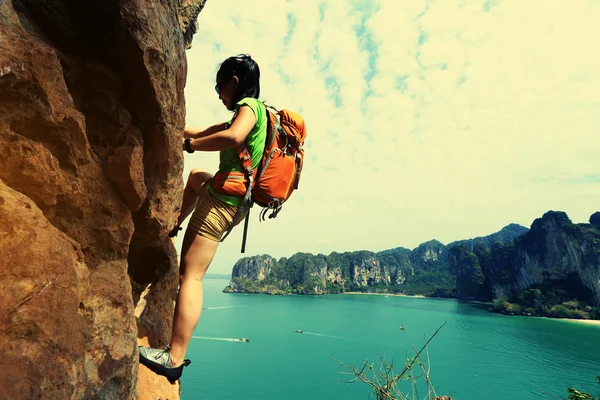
[[309, 274], [554, 249], [256, 268], [595, 220], [427, 270], [554, 254], [545, 270], [91, 119]]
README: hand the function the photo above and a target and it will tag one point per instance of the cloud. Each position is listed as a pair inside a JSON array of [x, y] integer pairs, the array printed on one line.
[[426, 119]]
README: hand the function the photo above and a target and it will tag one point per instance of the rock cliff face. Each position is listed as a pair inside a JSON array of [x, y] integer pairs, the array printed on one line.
[[426, 270], [91, 119], [595, 220], [545, 270], [369, 272], [257, 268], [431, 251], [554, 255], [554, 249], [310, 274]]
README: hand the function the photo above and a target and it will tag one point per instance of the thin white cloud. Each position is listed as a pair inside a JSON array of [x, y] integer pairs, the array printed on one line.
[[473, 118]]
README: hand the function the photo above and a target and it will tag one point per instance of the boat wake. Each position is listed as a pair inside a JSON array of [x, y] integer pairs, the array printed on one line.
[[224, 339], [219, 307], [324, 335]]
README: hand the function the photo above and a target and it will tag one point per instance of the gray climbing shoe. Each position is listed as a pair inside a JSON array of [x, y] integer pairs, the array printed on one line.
[[159, 361]]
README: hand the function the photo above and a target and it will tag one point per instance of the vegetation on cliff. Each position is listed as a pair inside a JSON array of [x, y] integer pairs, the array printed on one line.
[[393, 271], [426, 270], [551, 270], [552, 302]]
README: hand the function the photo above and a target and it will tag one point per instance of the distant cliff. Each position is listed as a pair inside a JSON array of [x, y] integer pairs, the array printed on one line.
[[425, 270], [552, 269], [309, 274], [506, 235]]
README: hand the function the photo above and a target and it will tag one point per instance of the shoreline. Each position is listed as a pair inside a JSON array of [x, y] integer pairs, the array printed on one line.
[[593, 322], [419, 296]]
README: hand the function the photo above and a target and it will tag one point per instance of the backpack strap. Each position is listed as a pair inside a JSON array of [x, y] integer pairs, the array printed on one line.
[[298, 166], [245, 232], [267, 105], [246, 161], [271, 135]]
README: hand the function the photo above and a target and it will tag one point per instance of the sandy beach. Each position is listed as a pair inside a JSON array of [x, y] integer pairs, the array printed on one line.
[[582, 321], [390, 294]]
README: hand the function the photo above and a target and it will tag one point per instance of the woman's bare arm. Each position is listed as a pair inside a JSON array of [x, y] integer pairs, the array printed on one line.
[[194, 133], [228, 138]]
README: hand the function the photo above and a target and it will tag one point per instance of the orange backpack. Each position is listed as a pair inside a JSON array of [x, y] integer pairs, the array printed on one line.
[[278, 173]]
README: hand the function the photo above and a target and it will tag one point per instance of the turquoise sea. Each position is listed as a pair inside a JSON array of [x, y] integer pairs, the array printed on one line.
[[477, 355]]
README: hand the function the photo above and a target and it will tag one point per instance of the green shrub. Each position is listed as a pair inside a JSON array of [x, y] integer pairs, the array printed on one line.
[[560, 311], [579, 314], [571, 305], [500, 305]]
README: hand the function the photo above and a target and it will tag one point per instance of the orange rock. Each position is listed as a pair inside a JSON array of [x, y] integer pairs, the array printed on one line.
[[91, 118]]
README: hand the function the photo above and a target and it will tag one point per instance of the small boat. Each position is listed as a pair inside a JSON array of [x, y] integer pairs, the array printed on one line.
[[298, 331], [244, 339]]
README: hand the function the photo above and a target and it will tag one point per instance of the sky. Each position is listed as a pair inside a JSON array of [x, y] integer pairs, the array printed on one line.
[[425, 120]]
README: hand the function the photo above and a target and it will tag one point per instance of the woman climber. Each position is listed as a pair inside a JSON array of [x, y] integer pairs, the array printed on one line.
[[238, 87]]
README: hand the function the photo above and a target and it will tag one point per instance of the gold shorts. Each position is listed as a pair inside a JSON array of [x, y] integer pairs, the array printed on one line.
[[212, 216]]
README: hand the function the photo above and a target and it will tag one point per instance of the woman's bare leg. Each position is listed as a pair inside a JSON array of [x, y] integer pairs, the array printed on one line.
[[196, 255], [196, 179]]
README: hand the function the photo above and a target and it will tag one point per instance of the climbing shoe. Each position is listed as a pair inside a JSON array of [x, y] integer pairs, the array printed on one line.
[[159, 361], [175, 231]]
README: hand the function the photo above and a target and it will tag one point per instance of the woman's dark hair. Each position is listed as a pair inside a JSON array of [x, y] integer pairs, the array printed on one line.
[[248, 73]]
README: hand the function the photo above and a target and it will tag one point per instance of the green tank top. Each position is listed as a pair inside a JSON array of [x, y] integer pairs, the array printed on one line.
[[229, 160]]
